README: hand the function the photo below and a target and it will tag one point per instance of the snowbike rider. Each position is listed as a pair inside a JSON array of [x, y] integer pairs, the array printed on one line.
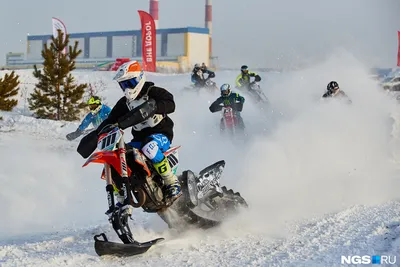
[[198, 75], [243, 79], [152, 134], [229, 98], [333, 91], [98, 113]]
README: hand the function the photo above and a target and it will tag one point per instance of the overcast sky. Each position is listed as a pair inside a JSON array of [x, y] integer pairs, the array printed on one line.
[[268, 33]]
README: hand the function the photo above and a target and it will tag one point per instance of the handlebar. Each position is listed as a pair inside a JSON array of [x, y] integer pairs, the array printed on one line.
[[236, 106]]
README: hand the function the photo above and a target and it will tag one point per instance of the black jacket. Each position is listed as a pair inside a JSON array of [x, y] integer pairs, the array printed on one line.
[[234, 100], [165, 105], [197, 79]]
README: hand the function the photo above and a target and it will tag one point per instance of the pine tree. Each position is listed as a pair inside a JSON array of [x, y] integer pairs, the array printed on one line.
[[56, 95], [8, 88]]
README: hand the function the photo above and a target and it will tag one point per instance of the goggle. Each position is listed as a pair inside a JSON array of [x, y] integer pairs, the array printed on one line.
[[93, 106], [129, 84], [226, 92], [245, 70]]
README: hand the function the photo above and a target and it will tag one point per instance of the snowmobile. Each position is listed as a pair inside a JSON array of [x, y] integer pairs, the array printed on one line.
[[204, 203]]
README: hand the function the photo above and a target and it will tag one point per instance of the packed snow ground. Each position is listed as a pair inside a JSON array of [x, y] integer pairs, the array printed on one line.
[[321, 179]]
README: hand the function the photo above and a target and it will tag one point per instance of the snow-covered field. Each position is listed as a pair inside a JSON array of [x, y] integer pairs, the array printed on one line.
[[322, 179]]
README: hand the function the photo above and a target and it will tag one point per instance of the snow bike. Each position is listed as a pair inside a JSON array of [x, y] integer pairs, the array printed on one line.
[[209, 85], [204, 203], [257, 93], [230, 121]]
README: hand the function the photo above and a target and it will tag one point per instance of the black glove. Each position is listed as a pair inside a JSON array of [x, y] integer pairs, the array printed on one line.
[[73, 135], [211, 75], [138, 114], [238, 106], [215, 108], [257, 78]]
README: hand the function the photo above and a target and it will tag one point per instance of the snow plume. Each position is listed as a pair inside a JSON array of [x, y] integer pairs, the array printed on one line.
[[44, 188], [324, 155]]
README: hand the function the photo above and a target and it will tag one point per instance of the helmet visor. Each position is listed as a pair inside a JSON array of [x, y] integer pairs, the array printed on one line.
[[129, 84]]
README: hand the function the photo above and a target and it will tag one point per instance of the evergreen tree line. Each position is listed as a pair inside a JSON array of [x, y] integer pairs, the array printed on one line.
[[56, 95]]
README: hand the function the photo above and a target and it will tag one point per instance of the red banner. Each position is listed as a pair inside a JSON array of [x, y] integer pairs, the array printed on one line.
[[398, 52], [148, 41]]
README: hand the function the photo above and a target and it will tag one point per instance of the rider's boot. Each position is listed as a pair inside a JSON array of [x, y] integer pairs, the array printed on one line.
[[172, 186], [120, 203]]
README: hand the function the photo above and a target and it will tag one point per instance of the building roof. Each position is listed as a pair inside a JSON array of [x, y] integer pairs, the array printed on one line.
[[123, 33]]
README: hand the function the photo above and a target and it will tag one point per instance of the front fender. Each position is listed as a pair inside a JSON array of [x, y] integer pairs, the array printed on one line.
[[109, 157]]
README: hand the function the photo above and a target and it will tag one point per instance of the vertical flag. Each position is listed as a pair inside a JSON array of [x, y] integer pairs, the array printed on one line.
[[58, 24], [398, 52], [148, 41]]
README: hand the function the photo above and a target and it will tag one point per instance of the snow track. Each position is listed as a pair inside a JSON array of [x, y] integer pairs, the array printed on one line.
[[359, 230], [321, 179]]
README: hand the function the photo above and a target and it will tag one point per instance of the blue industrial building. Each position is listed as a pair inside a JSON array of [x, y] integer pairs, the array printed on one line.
[[182, 47]]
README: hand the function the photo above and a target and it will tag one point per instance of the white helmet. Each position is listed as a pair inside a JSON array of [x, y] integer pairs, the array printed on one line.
[[131, 79]]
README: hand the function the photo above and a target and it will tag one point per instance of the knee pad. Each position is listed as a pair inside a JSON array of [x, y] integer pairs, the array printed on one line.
[[153, 152], [162, 141], [154, 146]]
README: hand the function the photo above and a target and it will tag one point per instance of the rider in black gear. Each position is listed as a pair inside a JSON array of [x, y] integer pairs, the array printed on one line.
[[333, 90], [145, 108], [229, 98], [198, 75]]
